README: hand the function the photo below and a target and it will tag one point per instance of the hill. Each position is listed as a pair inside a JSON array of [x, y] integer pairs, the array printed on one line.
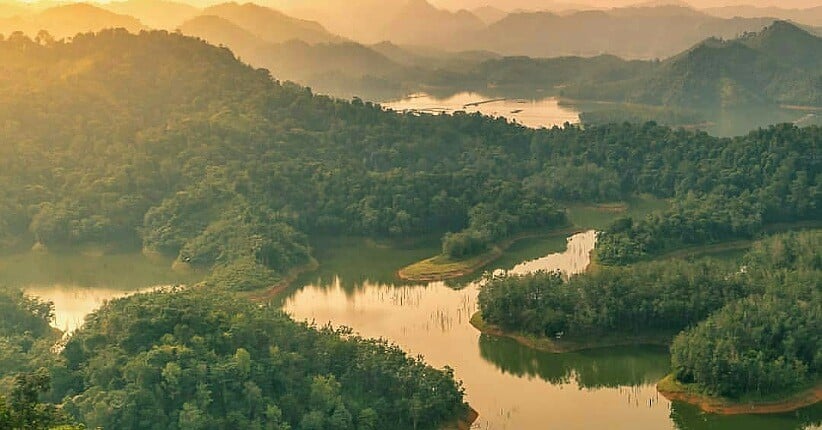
[[157, 14], [489, 14], [270, 25], [220, 31], [779, 65], [68, 20], [420, 23], [810, 16], [637, 32]]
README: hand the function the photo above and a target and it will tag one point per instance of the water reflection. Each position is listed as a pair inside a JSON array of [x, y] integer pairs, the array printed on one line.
[[575, 259], [603, 368], [72, 302], [512, 387], [546, 112], [78, 284]]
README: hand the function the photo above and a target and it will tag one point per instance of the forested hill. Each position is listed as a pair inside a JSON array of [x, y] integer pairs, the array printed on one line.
[[166, 142], [782, 64]]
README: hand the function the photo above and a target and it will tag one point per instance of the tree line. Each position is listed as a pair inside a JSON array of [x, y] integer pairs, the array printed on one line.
[[161, 140], [750, 329]]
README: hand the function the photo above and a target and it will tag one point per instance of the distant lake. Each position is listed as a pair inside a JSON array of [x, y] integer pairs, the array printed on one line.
[[535, 113]]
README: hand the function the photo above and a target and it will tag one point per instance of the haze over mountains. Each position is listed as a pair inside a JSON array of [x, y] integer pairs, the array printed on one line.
[[386, 49]]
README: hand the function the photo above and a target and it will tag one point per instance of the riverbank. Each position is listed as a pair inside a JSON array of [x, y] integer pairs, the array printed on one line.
[[277, 289], [559, 346], [463, 423], [441, 267], [675, 391]]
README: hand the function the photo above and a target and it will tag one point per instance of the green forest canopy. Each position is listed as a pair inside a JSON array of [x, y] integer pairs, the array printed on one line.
[[749, 331], [163, 140]]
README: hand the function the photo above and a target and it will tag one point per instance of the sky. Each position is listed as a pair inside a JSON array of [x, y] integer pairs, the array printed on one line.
[[549, 4]]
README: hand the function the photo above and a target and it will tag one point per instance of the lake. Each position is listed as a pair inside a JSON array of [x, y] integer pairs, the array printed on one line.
[[547, 112], [535, 113], [79, 283], [511, 386]]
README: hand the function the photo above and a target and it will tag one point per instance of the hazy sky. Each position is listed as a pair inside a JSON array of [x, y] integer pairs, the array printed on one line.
[[551, 4]]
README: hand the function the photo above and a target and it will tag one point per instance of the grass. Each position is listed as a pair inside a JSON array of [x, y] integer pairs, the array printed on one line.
[[442, 267], [774, 403], [582, 216], [548, 344]]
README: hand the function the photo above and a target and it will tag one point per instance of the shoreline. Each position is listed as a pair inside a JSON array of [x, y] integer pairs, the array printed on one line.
[[471, 265], [675, 391], [465, 422], [277, 289], [564, 346]]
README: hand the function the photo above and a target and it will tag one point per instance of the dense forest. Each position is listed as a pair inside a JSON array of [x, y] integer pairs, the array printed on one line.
[[751, 330], [194, 359], [770, 342], [214, 162], [221, 361], [657, 296], [25, 334]]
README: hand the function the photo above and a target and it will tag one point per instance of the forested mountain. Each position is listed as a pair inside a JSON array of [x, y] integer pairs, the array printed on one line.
[[156, 14], [243, 168], [220, 31], [810, 16], [420, 23], [270, 25], [68, 20], [633, 33], [779, 65]]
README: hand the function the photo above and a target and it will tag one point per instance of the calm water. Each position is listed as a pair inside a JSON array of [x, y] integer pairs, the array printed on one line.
[[78, 284], [512, 387], [531, 113]]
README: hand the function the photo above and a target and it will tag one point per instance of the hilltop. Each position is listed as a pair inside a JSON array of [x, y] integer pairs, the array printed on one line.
[[68, 20]]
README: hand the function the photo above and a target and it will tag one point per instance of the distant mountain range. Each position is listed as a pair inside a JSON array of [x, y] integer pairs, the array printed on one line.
[[420, 46], [811, 16], [782, 64], [642, 32]]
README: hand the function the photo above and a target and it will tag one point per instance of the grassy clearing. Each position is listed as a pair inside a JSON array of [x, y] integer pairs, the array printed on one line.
[[582, 217], [776, 403], [543, 343], [442, 267]]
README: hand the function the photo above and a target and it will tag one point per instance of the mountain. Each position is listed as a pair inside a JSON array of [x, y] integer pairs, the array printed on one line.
[[489, 14], [68, 20], [271, 25], [360, 20], [809, 16], [220, 31], [159, 14], [343, 69], [635, 32], [420, 23], [782, 64]]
